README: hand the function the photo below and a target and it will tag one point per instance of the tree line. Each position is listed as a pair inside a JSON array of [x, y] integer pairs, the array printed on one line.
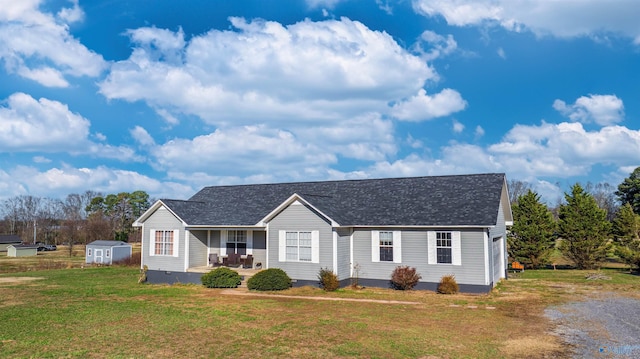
[[591, 225], [77, 219]]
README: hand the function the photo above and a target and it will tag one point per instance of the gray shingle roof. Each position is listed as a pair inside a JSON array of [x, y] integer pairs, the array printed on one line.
[[108, 243], [460, 200], [9, 238]]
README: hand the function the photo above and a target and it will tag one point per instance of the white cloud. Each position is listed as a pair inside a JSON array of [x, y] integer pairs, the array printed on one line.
[[566, 149], [457, 126], [59, 182], [41, 159], [501, 53], [29, 125], [431, 45], [38, 45], [601, 109], [479, 131], [422, 107], [322, 3], [558, 18], [235, 150], [141, 136], [235, 77]]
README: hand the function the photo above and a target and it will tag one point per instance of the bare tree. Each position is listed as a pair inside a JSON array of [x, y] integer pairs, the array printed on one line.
[[605, 196], [517, 189]]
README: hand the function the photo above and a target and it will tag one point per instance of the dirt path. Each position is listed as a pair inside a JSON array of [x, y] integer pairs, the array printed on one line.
[[606, 326], [252, 294]]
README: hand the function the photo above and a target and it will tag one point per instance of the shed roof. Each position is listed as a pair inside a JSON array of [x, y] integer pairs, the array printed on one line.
[[23, 246], [104, 243], [10, 238], [458, 200]]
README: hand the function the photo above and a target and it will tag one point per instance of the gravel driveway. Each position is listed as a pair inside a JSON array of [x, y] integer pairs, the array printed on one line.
[[603, 327]]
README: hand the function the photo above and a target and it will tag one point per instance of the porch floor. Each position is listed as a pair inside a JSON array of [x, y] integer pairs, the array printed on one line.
[[245, 272]]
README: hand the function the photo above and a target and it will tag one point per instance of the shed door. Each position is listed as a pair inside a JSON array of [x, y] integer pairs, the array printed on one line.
[[497, 259], [98, 256]]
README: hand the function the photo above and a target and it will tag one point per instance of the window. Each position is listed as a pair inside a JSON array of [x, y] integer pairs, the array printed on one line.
[[164, 243], [443, 247], [298, 246], [386, 246], [237, 242]]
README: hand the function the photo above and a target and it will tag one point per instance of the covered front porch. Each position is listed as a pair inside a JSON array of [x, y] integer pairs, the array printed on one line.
[[240, 248]]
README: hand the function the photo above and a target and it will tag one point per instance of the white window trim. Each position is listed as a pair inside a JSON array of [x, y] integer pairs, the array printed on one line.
[[375, 246], [456, 251], [315, 246], [152, 242]]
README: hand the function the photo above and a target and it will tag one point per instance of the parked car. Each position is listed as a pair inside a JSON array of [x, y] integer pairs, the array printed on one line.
[[50, 247]]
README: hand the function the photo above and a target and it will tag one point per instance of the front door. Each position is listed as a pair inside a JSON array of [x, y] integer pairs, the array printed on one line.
[[98, 256]]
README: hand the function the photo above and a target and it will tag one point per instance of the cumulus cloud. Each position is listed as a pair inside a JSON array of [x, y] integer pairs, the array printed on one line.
[[29, 125], [234, 150], [602, 109], [431, 45], [457, 127], [58, 182], [309, 71], [557, 18], [422, 107], [38, 46], [566, 149]]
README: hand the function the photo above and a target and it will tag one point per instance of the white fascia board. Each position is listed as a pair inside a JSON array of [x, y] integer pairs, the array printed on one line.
[[151, 210], [206, 226], [294, 197], [423, 226]]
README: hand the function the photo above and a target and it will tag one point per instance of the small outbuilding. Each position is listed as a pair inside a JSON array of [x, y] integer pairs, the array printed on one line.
[[107, 252], [21, 250], [8, 239]]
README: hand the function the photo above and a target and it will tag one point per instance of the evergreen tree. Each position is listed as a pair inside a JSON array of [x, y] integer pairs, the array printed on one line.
[[532, 236], [629, 190], [584, 229], [626, 228]]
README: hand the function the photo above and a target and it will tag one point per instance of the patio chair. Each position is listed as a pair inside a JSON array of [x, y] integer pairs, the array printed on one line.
[[248, 261], [213, 260]]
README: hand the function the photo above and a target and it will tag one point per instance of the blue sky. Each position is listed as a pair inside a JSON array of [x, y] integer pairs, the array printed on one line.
[[169, 96]]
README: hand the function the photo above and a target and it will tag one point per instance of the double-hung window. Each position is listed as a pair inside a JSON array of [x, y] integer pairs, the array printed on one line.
[[237, 242], [443, 247], [298, 246], [164, 243], [386, 246]]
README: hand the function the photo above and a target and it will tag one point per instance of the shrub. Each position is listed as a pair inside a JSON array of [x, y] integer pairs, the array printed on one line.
[[132, 261], [404, 278], [448, 285], [221, 278], [269, 279], [328, 280]]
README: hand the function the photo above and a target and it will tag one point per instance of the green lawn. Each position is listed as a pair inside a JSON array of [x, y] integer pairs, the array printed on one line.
[[101, 312]]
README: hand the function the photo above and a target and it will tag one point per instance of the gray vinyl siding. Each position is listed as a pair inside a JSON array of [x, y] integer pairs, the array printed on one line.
[[301, 218], [162, 219], [344, 254], [116, 253], [415, 254], [215, 242], [260, 247], [198, 248], [499, 231]]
